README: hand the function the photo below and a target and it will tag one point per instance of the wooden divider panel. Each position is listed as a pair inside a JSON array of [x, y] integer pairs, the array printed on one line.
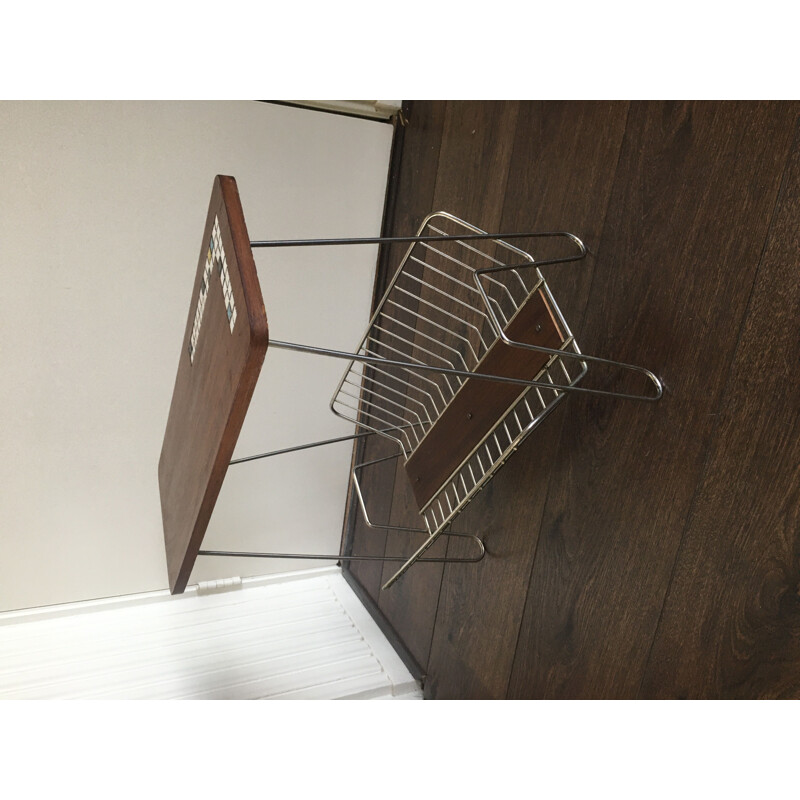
[[479, 404]]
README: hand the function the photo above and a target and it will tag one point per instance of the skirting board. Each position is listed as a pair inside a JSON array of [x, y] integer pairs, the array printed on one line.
[[302, 635]]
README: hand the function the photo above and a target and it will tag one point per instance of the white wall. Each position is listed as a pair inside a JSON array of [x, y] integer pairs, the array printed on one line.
[[103, 206]]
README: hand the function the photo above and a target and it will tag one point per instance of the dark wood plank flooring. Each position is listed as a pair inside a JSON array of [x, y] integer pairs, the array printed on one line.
[[634, 549]]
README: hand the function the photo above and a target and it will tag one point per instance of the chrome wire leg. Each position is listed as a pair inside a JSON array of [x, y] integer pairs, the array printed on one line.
[[478, 274], [399, 529], [499, 329], [322, 557], [460, 373], [339, 556]]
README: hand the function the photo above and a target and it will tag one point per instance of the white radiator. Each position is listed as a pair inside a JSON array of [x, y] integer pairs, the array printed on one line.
[[304, 635]]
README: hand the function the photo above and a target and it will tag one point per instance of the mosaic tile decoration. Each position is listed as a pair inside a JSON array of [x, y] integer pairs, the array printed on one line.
[[215, 257]]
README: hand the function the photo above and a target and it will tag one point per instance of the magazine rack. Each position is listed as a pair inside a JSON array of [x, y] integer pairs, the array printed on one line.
[[465, 355]]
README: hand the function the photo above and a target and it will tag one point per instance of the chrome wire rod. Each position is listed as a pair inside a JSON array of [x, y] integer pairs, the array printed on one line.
[[363, 506], [398, 528], [323, 351], [339, 557], [481, 254], [399, 239], [329, 557], [309, 445]]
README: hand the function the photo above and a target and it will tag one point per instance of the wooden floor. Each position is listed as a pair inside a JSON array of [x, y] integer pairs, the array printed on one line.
[[633, 549]]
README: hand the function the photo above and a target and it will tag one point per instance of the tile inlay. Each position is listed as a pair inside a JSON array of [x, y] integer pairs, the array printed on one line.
[[215, 258]]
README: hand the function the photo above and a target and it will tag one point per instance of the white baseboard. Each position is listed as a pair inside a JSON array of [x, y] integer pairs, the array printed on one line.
[[291, 636]]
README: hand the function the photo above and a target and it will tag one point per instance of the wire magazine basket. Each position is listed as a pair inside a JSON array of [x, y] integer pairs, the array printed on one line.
[[442, 310]]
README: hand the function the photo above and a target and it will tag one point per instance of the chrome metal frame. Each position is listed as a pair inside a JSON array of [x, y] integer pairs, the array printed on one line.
[[362, 505], [422, 365]]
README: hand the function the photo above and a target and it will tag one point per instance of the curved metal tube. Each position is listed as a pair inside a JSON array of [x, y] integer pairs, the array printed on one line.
[[562, 353], [339, 557], [323, 351], [321, 557]]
